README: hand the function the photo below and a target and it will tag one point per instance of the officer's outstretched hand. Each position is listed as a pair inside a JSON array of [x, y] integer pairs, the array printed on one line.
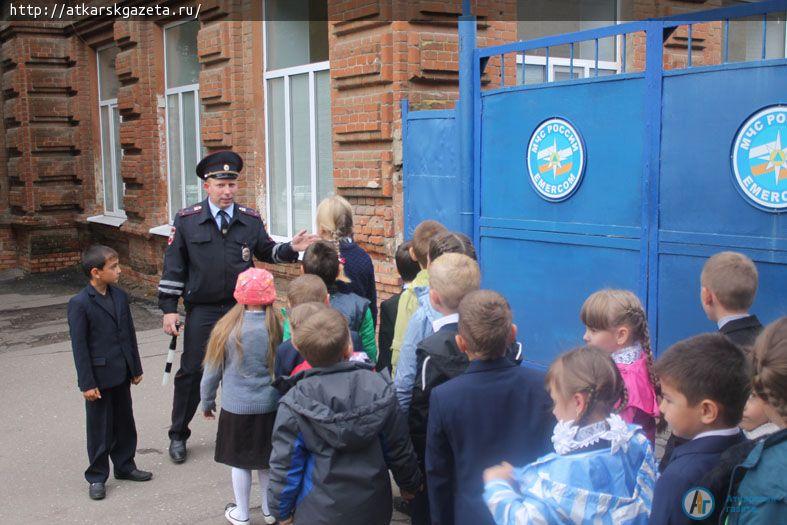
[[171, 324], [303, 240]]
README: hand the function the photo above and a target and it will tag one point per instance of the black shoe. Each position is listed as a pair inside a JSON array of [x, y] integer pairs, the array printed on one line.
[[97, 491], [177, 450], [134, 475]]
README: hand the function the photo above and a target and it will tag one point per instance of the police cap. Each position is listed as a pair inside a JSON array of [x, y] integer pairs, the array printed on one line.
[[220, 165]]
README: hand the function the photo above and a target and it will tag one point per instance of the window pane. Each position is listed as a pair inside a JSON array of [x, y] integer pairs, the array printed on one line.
[[173, 146], [106, 160], [190, 149], [535, 74], [300, 150], [119, 188], [564, 73], [296, 33], [277, 175], [745, 38], [107, 75], [181, 54], [539, 18], [322, 94]]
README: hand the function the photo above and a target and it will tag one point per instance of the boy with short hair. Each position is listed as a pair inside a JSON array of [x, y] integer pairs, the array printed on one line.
[[705, 385], [107, 361], [322, 259], [303, 289], [408, 269], [729, 284], [451, 277], [408, 302], [337, 433], [465, 431]]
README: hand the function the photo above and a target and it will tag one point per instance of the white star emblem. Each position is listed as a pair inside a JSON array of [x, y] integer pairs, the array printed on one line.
[[774, 154], [554, 157]]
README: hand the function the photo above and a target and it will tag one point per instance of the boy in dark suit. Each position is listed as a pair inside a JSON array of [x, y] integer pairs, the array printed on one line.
[[729, 283], [705, 385], [408, 269], [495, 411], [107, 361]]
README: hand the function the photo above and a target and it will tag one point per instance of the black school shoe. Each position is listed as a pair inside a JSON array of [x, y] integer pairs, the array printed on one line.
[[177, 450], [134, 475], [97, 490]]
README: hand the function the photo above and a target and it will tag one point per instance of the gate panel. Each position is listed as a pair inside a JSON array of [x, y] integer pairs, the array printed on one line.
[[546, 257], [431, 169], [702, 210]]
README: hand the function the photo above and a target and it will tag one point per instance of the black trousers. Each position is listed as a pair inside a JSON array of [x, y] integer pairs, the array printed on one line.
[[200, 319], [111, 433]]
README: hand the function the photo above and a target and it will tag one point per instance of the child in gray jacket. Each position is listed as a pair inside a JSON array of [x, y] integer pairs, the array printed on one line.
[[240, 355], [337, 432]]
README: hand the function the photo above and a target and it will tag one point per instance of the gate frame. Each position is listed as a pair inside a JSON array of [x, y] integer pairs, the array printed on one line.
[[656, 32]]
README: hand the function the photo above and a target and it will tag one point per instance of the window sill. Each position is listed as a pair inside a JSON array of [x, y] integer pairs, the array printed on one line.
[[108, 220], [164, 230]]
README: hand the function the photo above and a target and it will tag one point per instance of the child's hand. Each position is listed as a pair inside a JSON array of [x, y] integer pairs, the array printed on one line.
[[136, 380], [288, 521], [502, 471], [92, 394], [208, 414]]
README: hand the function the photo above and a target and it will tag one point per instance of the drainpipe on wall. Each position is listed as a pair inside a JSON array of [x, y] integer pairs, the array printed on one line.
[[465, 109]]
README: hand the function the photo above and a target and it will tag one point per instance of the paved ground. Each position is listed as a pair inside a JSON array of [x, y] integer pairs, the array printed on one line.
[[42, 438]]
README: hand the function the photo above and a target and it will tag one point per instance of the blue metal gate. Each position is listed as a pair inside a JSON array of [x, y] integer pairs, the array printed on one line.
[[653, 194]]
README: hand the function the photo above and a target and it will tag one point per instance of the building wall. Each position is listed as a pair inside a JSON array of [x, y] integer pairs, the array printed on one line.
[[380, 53]]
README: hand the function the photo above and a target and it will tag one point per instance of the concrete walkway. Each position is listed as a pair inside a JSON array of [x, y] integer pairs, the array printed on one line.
[[42, 438]]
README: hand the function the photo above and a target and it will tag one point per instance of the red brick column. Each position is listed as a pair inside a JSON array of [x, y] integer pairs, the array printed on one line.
[[378, 58]]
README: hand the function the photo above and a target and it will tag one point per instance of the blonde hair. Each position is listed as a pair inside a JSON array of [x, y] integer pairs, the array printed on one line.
[[452, 276], [320, 334], [231, 324], [305, 289], [733, 279], [769, 381], [591, 371], [335, 217]]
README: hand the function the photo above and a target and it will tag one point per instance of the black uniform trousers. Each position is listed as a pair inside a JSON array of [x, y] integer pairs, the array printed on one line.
[[200, 320], [111, 433]]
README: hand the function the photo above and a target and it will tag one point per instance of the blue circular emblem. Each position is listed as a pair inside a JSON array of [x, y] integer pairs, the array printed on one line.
[[555, 159], [759, 159], [698, 503]]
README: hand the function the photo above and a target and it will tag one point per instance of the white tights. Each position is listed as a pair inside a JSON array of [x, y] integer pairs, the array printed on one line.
[[241, 484]]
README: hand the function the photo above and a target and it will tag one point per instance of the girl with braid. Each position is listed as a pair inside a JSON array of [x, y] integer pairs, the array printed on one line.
[[602, 470], [335, 225], [616, 322]]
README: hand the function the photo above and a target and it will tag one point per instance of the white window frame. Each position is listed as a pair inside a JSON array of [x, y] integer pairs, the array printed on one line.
[[582, 64], [286, 74], [179, 91], [111, 104]]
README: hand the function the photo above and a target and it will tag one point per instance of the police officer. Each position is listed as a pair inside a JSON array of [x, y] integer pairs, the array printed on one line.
[[209, 245]]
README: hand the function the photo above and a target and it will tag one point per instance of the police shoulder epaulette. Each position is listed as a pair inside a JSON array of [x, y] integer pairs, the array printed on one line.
[[190, 210], [249, 211]]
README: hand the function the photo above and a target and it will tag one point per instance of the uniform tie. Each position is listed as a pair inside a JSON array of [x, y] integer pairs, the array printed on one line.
[[225, 223]]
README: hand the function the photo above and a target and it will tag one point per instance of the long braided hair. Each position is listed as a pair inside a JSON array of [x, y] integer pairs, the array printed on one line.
[[591, 371], [334, 220], [609, 309]]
